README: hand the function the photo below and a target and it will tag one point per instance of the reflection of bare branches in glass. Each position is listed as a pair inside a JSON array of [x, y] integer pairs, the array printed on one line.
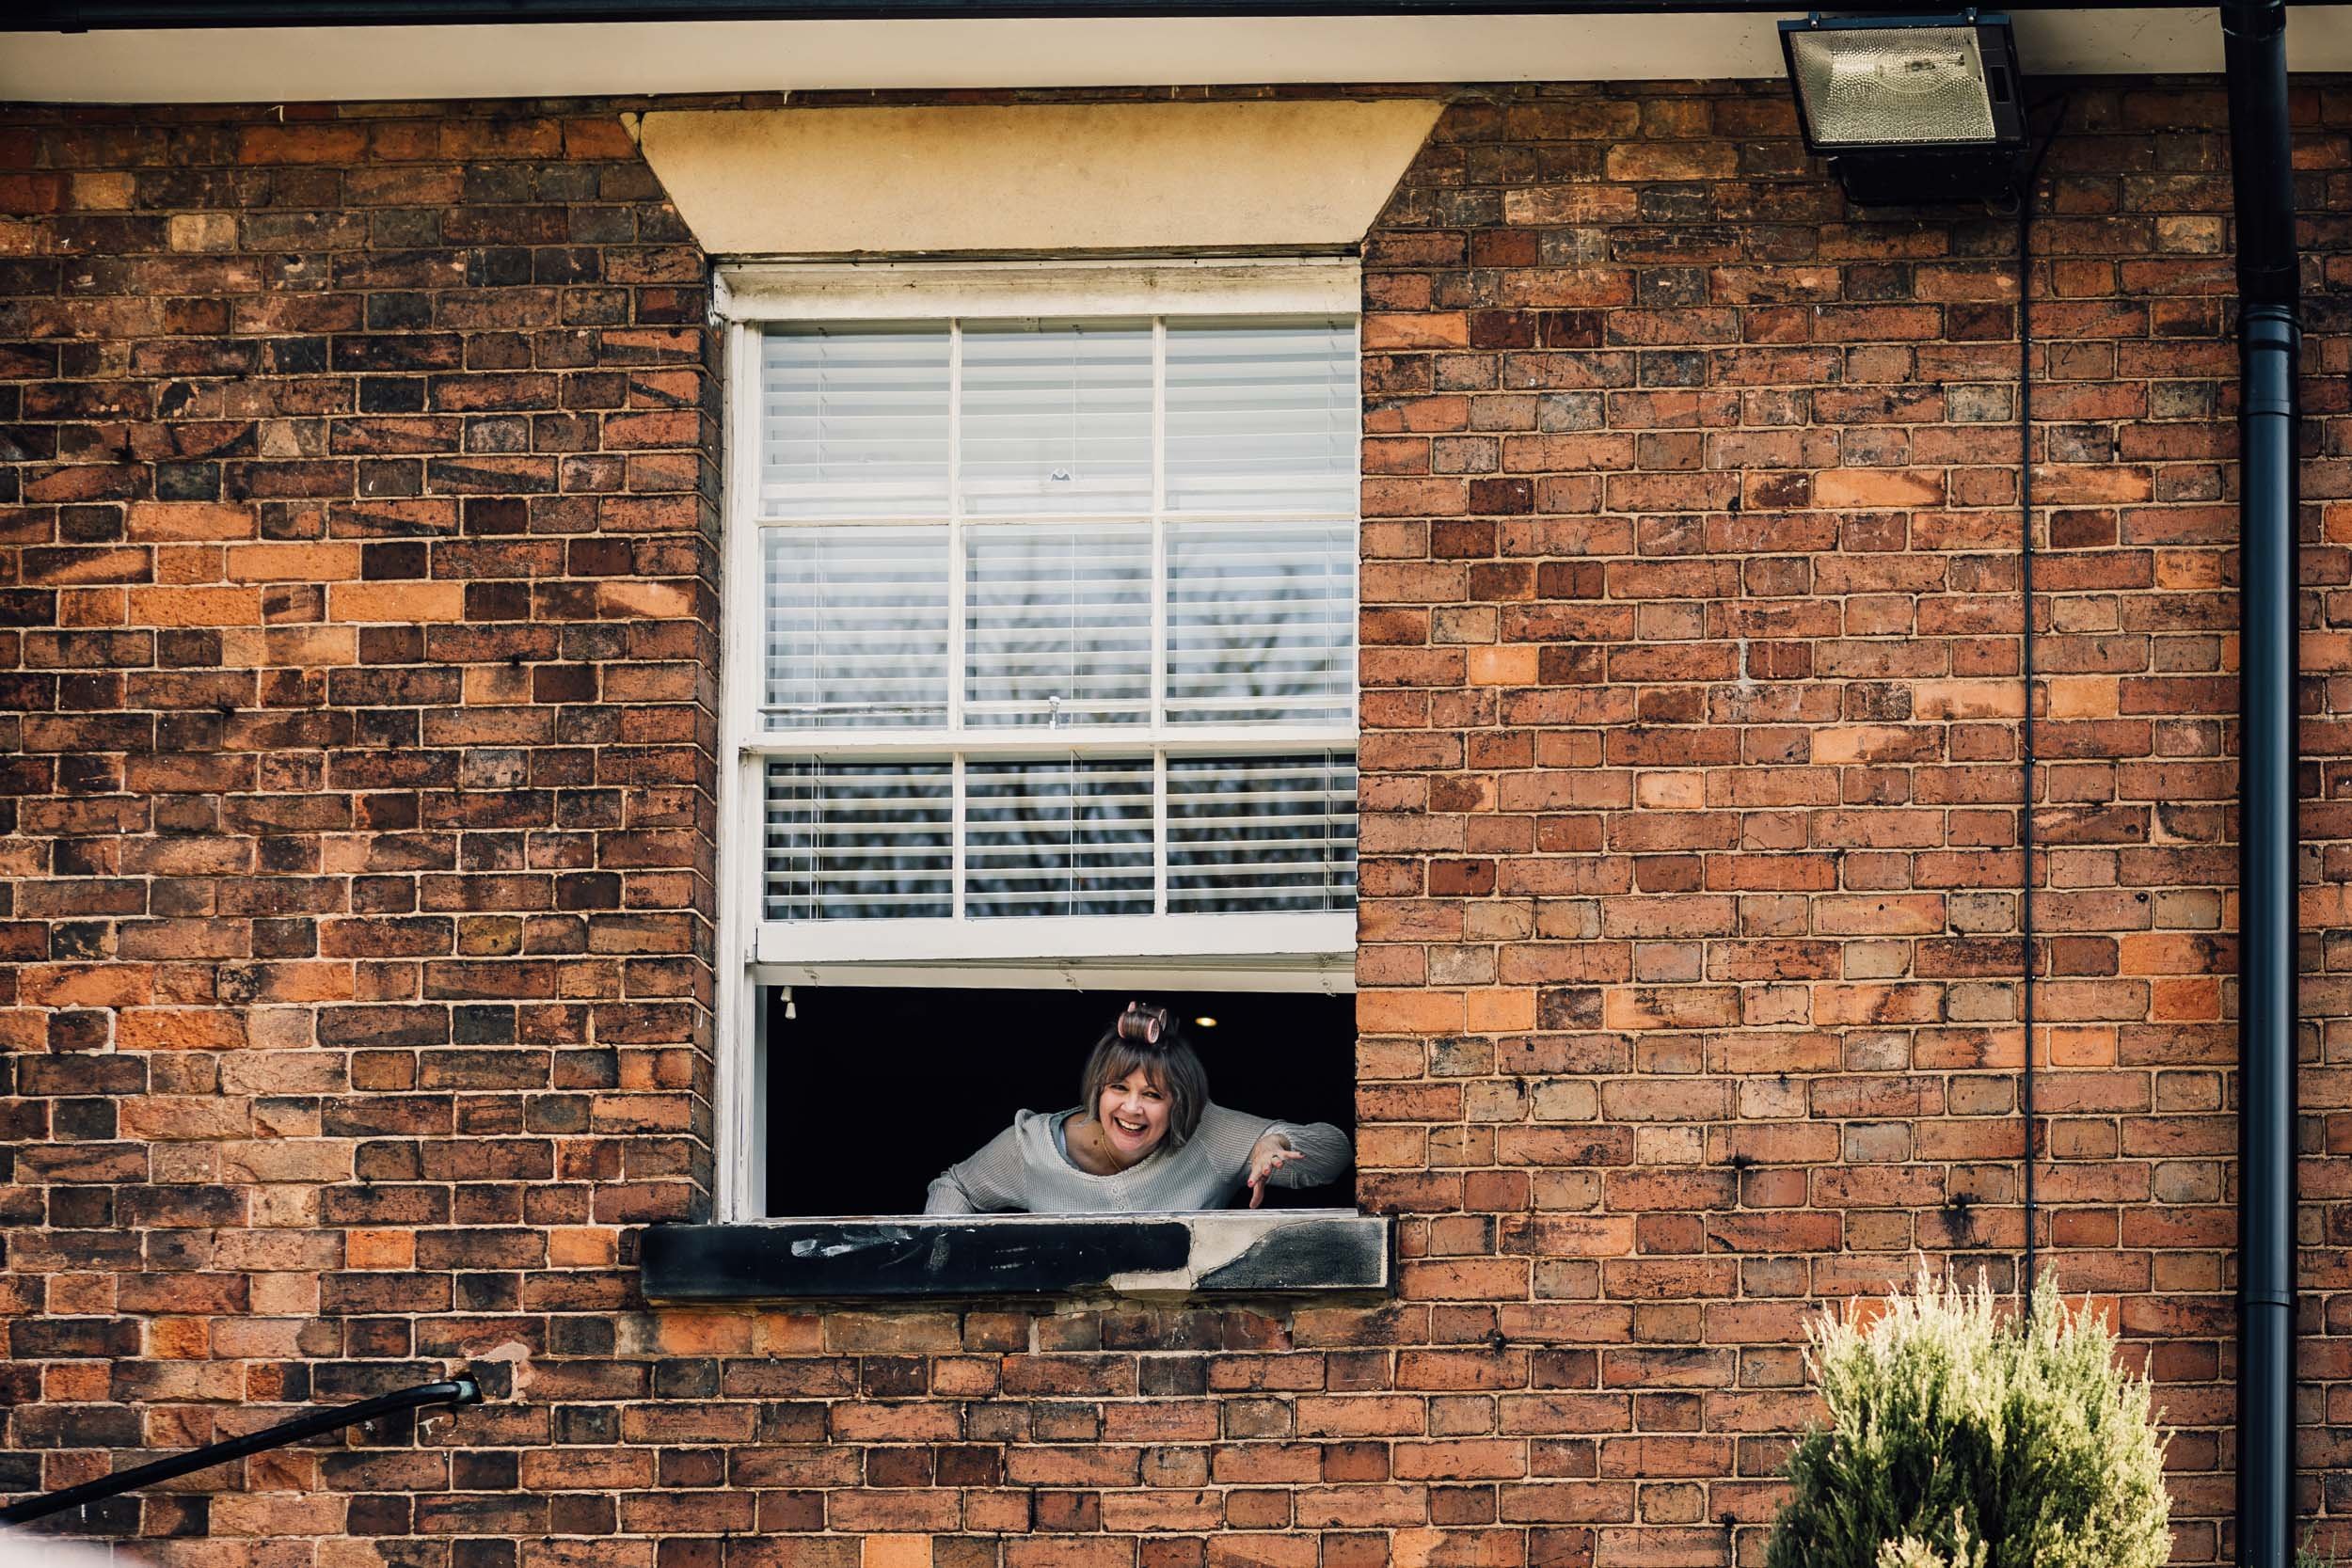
[[1268, 833], [857, 627], [1253, 467], [1286, 656], [1057, 625], [852, 841], [1062, 836], [1057, 629]]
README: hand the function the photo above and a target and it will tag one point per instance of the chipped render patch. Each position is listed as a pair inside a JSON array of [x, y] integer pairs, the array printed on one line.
[[1217, 1239]]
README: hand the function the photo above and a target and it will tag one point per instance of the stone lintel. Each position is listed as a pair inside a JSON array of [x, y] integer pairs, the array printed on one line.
[[1035, 179]]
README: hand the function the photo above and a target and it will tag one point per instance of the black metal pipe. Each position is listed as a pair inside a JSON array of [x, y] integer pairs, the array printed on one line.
[[2029, 1268], [2028, 736], [2266, 937], [76, 16], [457, 1392], [2269, 343]]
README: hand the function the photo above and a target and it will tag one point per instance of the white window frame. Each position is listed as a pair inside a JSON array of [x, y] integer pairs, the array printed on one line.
[[1284, 951]]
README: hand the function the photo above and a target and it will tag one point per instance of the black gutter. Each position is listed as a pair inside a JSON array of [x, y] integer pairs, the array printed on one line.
[[2269, 340], [77, 16], [457, 1392]]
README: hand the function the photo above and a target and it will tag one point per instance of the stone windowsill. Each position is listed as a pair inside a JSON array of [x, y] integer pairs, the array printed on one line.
[[1266, 1251]]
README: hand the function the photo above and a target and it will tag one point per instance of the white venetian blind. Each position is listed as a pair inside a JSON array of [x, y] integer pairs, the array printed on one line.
[[857, 627], [1260, 622], [1057, 624], [860, 840], [1056, 418], [1058, 836], [854, 421], [1034, 591], [1262, 416], [1069, 834], [1262, 833]]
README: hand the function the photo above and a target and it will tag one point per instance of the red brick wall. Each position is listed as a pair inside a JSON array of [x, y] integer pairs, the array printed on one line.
[[1692, 756], [361, 574], [358, 531]]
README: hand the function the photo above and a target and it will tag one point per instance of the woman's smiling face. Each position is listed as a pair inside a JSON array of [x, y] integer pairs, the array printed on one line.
[[1133, 1114]]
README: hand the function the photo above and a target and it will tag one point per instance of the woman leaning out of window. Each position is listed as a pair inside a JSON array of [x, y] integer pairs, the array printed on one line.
[[1143, 1138]]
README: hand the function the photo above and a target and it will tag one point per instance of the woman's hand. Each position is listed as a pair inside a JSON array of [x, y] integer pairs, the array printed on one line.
[[1269, 1154]]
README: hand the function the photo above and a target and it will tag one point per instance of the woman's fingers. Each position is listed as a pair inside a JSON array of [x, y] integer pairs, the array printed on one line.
[[1264, 1166], [1271, 1155]]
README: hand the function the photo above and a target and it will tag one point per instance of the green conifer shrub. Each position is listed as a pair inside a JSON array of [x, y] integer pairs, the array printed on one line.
[[1961, 1436]]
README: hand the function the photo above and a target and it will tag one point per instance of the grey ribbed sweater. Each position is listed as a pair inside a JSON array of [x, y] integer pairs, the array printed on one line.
[[1021, 1169]]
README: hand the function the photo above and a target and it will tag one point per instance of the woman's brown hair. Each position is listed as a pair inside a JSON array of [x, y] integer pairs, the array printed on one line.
[[1147, 1037]]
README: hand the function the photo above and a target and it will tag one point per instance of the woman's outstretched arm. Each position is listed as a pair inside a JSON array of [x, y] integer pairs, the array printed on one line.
[[1294, 1153], [990, 1181], [1324, 1154]]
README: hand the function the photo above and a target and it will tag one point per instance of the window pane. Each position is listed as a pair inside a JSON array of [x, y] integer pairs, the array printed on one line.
[[857, 627], [860, 840], [1262, 833], [1057, 624], [1262, 416], [1067, 836], [1049, 589], [1261, 621], [855, 422], [1057, 837], [1056, 417]]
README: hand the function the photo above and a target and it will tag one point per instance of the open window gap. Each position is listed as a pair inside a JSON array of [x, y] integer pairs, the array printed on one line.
[[871, 1092]]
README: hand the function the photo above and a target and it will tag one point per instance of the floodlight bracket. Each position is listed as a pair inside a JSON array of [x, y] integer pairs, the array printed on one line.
[[1911, 177]]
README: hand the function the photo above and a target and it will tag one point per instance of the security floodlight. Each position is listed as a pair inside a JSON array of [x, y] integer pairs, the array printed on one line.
[[1910, 110]]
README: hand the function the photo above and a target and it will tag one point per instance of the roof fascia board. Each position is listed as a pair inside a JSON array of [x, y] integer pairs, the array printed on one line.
[[77, 16], [645, 60]]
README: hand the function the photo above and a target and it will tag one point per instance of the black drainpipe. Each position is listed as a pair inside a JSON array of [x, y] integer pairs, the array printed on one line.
[[2269, 339]]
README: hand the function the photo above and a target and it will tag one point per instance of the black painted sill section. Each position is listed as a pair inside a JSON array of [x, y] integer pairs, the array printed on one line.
[[1264, 1252]]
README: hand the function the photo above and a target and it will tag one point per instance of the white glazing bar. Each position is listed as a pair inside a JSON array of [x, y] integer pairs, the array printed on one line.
[[1269, 938], [742, 863], [907, 519], [1325, 973], [1092, 740], [1159, 610], [1356, 577], [1159, 833], [955, 834], [955, 561], [1159, 521]]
